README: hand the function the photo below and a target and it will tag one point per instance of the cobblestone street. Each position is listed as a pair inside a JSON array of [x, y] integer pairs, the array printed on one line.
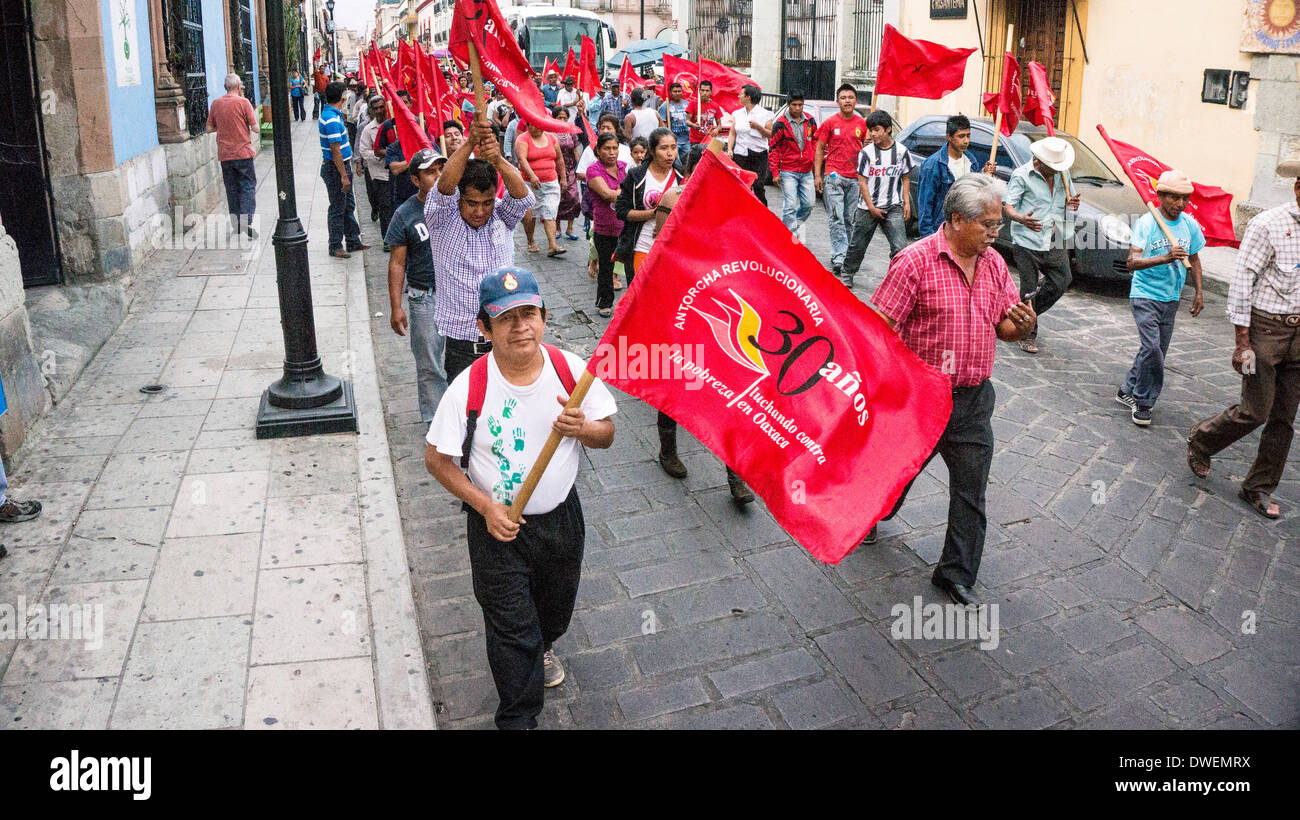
[[1131, 594]]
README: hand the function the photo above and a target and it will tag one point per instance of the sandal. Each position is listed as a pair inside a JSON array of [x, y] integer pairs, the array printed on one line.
[[1262, 502], [1197, 461], [534, 249], [570, 236], [1029, 345], [555, 252], [591, 271], [606, 312], [618, 283]]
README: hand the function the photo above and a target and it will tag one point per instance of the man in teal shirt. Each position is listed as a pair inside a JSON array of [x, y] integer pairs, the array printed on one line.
[[1036, 203], [1158, 274]]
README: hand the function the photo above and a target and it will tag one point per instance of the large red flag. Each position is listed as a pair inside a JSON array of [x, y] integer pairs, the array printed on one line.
[[588, 76], [775, 366], [727, 83], [500, 60], [678, 70], [1212, 207], [1007, 100], [570, 66], [425, 105], [407, 59], [918, 68], [409, 133], [628, 79], [1040, 102]]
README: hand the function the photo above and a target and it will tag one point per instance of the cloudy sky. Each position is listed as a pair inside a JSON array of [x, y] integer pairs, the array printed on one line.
[[357, 15]]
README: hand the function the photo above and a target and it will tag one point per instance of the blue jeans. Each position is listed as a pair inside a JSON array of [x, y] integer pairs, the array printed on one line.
[[864, 227], [1155, 324], [4, 484], [840, 196], [342, 215], [429, 346], [240, 180], [797, 197]]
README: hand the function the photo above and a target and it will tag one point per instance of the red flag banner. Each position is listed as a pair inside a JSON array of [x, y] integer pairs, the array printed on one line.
[[547, 67], [775, 366], [1040, 102], [422, 96], [1007, 100], [570, 66], [678, 70], [409, 133], [315, 57], [727, 83], [588, 76], [919, 68], [628, 79], [407, 59], [1211, 207], [500, 60]]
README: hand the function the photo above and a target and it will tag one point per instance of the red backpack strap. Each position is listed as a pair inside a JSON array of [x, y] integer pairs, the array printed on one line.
[[478, 376], [561, 365]]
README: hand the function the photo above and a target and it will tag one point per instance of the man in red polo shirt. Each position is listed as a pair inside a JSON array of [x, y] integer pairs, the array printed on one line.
[[950, 298], [835, 169], [233, 120], [705, 120]]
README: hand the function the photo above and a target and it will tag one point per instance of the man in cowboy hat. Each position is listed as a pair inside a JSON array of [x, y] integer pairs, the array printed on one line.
[[1264, 305], [1036, 202], [1158, 274]]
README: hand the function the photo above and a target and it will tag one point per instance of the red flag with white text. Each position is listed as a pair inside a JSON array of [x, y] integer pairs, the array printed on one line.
[[755, 348], [918, 68], [1007, 99], [500, 60], [1040, 102], [1211, 207]]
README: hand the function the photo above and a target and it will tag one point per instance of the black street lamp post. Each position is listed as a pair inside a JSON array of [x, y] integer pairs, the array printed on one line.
[[334, 38], [305, 400]]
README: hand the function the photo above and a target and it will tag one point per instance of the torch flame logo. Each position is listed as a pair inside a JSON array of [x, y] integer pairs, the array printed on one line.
[[734, 330]]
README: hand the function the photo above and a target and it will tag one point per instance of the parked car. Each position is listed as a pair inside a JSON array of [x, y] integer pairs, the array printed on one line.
[[1108, 205]]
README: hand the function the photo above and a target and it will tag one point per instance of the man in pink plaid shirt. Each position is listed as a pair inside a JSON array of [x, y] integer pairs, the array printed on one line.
[[950, 298]]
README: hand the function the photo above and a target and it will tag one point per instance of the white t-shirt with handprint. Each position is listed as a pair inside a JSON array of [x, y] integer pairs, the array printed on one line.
[[512, 428]]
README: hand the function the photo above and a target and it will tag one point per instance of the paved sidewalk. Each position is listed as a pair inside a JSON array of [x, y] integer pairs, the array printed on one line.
[[243, 583], [1124, 584]]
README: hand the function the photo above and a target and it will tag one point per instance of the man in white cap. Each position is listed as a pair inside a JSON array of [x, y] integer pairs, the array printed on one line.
[[1036, 202], [1264, 305], [1158, 275]]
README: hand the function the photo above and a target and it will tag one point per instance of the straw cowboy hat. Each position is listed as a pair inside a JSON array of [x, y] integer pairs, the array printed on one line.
[[1054, 152]]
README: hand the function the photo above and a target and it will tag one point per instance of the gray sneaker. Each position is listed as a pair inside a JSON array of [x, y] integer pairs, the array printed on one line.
[[552, 671], [1125, 399], [1142, 416]]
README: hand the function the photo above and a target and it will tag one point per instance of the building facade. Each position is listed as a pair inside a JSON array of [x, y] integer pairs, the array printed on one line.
[[108, 103]]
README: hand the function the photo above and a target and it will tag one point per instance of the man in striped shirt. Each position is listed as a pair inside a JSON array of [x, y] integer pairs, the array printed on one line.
[[886, 197], [336, 171], [1264, 307], [470, 230]]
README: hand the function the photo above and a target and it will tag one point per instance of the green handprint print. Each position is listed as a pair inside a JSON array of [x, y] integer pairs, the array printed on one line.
[[514, 480], [503, 464], [501, 493], [494, 426], [519, 439], [498, 448], [508, 410]]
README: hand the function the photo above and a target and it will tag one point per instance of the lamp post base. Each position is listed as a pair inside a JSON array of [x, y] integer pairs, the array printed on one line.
[[339, 416]]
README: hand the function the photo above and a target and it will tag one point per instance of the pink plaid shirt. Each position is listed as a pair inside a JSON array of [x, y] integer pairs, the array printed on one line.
[[948, 323]]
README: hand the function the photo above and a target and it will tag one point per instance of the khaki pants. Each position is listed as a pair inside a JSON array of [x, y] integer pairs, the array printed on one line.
[[1269, 397]]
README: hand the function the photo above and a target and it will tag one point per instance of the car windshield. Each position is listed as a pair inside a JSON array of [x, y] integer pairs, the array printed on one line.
[[1087, 165]]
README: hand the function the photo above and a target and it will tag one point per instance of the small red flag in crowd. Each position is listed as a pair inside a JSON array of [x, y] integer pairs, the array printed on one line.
[[678, 70], [1007, 100], [409, 133], [727, 82], [502, 63], [919, 68], [1040, 102], [588, 76], [628, 79], [406, 66], [774, 366], [315, 57], [548, 66], [1212, 207], [570, 66]]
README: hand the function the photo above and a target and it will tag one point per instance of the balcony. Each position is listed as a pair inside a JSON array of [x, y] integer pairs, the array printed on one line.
[[663, 8]]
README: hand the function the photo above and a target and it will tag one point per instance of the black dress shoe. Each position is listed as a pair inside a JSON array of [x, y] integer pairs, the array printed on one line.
[[959, 593], [871, 537]]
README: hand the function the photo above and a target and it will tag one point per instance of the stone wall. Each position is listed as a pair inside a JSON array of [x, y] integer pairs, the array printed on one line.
[[1277, 118], [20, 370], [195, 175]]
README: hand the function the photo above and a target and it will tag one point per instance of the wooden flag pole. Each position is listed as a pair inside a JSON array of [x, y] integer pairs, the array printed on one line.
[[997, 125], [553, 441], [1164, 229]]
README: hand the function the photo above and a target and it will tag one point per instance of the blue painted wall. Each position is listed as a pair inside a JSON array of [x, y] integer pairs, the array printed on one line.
[[131, 109], [256, 95]]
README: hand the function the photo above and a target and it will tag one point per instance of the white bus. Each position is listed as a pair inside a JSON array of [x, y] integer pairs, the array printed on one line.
[[546, 31]]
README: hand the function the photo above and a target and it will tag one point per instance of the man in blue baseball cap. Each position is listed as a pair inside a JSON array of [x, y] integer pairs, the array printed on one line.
[[493, 422]]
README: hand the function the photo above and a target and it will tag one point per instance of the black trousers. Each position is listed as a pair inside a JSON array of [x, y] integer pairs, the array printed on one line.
[[299, 108], [605, 246], [459, 355], [966, 447], [384, 199], [756, 161], [527, 588], [1052, 267]]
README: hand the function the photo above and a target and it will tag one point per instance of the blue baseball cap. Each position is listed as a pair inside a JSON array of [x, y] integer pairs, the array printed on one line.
[[507, 289]]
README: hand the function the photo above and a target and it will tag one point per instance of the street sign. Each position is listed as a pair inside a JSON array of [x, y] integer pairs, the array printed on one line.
[[948, 9]]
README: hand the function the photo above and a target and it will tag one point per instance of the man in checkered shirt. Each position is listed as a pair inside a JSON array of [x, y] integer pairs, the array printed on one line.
[[1264, 306], [950, 298], [471, 235]]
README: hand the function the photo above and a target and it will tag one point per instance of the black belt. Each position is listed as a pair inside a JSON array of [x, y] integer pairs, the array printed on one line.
[[1290, 320], [477, 348]]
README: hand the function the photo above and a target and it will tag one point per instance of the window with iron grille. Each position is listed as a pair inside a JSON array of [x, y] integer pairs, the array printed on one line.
[[868, 29], [810, 29], [183, 37], [241, 34], [721, 30]]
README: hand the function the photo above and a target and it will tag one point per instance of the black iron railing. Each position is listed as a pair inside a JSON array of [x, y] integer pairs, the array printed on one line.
[[868, 29], [721, 31]]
